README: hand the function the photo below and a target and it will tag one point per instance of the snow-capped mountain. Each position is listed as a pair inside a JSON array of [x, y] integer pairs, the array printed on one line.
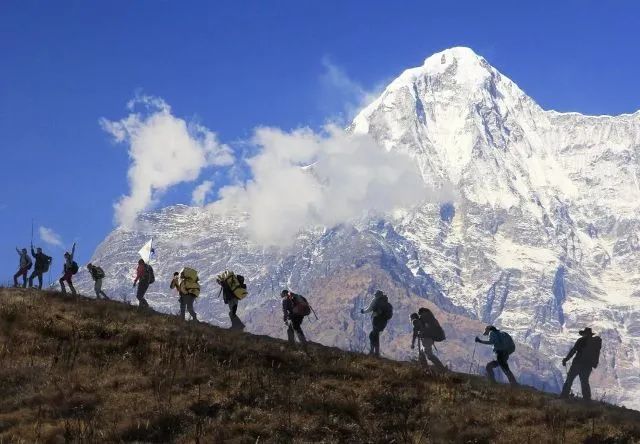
[[542, 238]]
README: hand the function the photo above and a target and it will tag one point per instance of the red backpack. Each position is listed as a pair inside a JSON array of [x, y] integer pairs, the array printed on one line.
[[301, 306]]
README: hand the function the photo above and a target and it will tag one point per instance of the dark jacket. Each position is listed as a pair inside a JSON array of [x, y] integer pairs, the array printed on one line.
[[578, 350], [42, 260], [287, 307]]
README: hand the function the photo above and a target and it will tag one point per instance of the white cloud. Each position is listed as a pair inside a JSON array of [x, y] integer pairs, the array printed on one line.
[[303, 178], [50, 237], [165, 150], [201, 192], [346, 92]]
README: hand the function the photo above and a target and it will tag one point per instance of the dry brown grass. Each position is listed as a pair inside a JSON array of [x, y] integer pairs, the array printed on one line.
[[95, 371]]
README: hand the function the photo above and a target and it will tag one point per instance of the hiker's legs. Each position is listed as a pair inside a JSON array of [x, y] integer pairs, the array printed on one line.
[[571, 376], [142, 289], [183, 307], [296, 325], [34, 273], [373, 340], [584, 383], [290, 334], [21, 272], [39, 275], [98, 288], [378, 325], [490, 366], [71, 287], [233, 307], [427, 345], [503, 358], [190, 300], [62, 287]]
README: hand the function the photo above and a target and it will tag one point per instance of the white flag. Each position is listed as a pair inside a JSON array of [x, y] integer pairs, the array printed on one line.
[[147, 251]]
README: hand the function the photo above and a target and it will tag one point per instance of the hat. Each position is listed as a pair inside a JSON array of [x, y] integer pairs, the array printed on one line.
[[284, 293], [586, 332], [378, 293], [487, 329]]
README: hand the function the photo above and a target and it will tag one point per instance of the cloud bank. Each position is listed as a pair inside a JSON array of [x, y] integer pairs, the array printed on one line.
[[50, 237], [303, 178], [164, 150]]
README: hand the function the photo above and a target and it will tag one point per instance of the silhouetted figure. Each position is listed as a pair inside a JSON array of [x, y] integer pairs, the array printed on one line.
[[294, 308], [232, 287], [188, 289], [381, 311], [144, 278], [70, 268], [97, 274], [43, 262], [503, 346], [587, 356], [24, 267], [427, 330]]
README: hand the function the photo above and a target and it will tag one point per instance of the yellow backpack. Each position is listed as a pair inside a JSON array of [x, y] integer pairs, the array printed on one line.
[[188, 282], [230, 280]]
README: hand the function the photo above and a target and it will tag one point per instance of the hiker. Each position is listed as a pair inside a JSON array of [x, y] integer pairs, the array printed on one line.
[[25, 266], [188, 288], [295, 307], [97, 274], [233, 290], [381, 311], [503, 346], [144, 278], [427, 330], [69, 269], [41, 267], [587, 356]]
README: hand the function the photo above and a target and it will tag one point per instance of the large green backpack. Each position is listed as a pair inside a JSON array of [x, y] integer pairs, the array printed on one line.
[[189, 282]]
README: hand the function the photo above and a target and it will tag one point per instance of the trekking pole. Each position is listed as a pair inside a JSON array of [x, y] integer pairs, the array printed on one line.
[[473, 356], [314, 313]]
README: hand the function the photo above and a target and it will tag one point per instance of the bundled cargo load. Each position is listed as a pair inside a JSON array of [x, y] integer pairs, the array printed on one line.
[[189, 282], [233, 283]]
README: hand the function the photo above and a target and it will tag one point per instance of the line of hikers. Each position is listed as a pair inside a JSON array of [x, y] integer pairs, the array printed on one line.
[[295, 307]]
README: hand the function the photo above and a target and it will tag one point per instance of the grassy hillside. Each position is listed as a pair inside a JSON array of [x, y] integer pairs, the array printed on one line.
[[94, 371]]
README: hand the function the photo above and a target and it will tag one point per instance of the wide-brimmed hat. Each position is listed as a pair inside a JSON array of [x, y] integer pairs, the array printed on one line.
[[586, 332]]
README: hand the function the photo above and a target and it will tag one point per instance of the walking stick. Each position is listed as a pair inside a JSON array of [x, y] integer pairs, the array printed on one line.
[[473, 356]]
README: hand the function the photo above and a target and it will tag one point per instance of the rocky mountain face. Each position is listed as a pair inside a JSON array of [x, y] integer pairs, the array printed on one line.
[[541, 238]]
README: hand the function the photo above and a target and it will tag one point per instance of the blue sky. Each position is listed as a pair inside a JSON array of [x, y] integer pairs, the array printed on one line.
[[232, 66]]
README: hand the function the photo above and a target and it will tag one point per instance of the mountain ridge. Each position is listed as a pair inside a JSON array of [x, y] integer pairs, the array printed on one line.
[[541, 238]]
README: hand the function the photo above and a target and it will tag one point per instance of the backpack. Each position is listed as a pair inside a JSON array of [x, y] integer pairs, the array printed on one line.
[[232, 282], [189, 282], [432, 328], [384, 309], [74, 267], [148, 273], [591, 351], [504, 342], [46, 263], [99, 273], [301, 306]]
